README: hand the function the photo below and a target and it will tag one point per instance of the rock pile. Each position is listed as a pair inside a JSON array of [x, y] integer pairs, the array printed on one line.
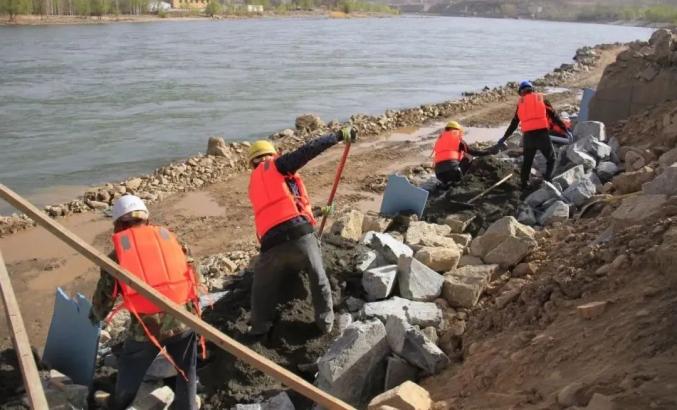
[[583, 169], [410, 307]]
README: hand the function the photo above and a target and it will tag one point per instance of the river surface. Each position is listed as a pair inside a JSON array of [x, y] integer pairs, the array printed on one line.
[[80, 105]]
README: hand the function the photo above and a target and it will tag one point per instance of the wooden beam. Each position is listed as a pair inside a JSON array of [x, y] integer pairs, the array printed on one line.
[[208, 331], [29, 371]]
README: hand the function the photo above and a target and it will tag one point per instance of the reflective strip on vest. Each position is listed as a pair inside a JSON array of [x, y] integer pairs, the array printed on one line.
[[272, 199], [153, 255], [447, 147], [531, 111]]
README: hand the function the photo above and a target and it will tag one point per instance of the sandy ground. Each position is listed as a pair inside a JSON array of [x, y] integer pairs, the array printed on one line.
[[219, 219]]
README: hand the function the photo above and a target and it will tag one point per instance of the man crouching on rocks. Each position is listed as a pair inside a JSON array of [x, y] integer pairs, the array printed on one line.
[[285, 228], [154, 255]]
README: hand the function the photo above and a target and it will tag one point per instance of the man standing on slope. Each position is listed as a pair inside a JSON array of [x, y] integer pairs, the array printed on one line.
[[450, 154], [285, 229], [532, 115], [152, 254]]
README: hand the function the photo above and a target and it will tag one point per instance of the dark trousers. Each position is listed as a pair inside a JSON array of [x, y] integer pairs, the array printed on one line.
[[135, 359], [451, 171], [275, 266], [534, 141]]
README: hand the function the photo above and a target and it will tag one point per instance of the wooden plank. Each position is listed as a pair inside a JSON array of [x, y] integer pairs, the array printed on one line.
[[29, 371], [208, 331]]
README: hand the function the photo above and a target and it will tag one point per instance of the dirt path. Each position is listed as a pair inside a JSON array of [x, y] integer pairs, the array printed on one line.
[[219, 219]]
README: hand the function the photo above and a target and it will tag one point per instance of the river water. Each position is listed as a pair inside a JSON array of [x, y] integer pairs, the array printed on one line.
[[80, 105]]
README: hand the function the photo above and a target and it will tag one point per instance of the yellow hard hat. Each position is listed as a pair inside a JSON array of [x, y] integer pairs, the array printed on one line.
[[261, 147], [454, 125]]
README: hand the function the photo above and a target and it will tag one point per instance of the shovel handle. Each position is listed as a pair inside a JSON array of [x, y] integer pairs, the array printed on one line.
[[481, 194], [337, 178]]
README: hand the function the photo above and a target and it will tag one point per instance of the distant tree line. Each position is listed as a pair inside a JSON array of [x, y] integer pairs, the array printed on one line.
[[99, 8]]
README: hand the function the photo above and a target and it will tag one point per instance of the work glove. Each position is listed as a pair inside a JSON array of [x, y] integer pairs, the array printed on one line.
[[327, 210], [348, 134]]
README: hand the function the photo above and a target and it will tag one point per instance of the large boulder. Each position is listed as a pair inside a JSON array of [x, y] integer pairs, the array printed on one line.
[[547, 192], [407, 396], [421, 314], [580, 192], [568, 177], [463, 287], [506, 242], [635, 209], [668, 158], [417, 281], [349, 225], [606, 170], [388, 247], [399, 371], [440, 259], [309, 122], [557, 212], [458, 222], [594, 147], [379, 282], [594, 129], [579, 156], [217, 146], [353, 368], [629, 182], [421, 233], [411, 344], [665, 183]]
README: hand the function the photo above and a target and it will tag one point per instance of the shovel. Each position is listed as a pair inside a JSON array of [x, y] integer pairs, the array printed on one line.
[[469, 204], [337, 178]]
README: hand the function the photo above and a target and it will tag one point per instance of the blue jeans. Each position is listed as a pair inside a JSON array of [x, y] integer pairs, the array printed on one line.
[[135, 359]]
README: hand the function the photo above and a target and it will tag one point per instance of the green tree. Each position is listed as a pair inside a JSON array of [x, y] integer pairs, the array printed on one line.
[[99, 7], [213, 8], [15, 7]]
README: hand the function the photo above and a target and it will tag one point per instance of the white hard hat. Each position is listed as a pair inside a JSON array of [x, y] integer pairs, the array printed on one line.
[[127, 204]]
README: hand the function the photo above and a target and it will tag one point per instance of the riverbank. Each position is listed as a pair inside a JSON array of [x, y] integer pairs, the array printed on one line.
[[30, 20], [195, 172], [204, 198]]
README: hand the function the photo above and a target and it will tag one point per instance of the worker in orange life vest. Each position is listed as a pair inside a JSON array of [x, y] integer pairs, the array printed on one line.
[[285, 228], [563, 135], [452, 156], [153, 254], [532, 115]]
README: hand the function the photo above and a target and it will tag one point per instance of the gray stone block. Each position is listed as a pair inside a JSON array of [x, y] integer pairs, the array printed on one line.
[[353, 368], [570, 176], [417, 313], [417, 281], [590, 129], [580, 192], [579, 157], [367, 260], [379, 282], [280, 401], [606, 170], [398, 371], [557, 212], [388, 247], [411, 344], [463, 289], [546, 192]]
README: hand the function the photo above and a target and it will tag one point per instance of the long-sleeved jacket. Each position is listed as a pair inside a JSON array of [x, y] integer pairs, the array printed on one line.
[[290, 163], [550, 112]]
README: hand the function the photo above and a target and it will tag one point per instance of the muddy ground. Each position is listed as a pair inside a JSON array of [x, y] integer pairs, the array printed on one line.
[[218, 219]]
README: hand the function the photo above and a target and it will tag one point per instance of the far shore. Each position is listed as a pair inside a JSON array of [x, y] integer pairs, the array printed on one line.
[[30, 20]]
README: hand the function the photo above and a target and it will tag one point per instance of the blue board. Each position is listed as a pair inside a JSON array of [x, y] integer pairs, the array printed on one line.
[[72, 341], [402, 197], [584, 112]]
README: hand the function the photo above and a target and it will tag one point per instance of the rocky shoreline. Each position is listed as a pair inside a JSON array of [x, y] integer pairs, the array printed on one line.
[[223, 160]]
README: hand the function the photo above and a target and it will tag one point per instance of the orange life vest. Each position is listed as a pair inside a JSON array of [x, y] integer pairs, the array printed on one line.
[[556, 128], [531, 112], [154, 255], [448, 146], [272, 199]]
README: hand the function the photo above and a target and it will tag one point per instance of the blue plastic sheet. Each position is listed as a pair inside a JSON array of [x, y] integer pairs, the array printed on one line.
[[402, 197], [72, 340], [584, 113]]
